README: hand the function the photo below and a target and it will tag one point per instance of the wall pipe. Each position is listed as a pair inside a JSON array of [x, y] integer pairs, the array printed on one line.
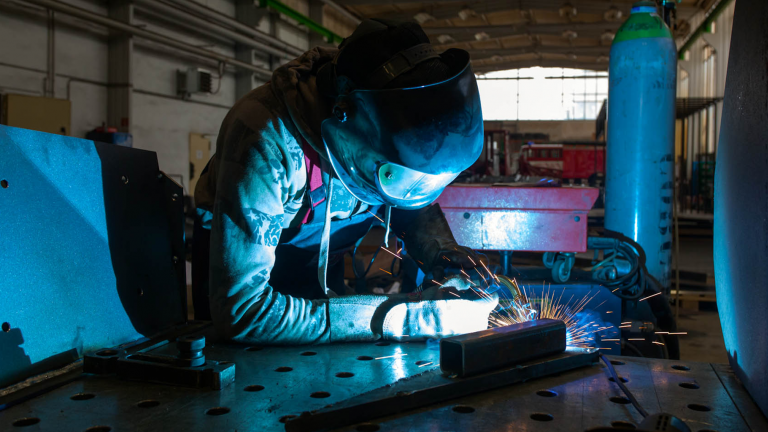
[[50, 83], [716, 11], [202, 24], [343, 12], [146, 34], [220, 18], [301, 19]]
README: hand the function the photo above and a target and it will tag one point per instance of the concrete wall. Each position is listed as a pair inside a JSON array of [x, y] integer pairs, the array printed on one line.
[[565, 130], [160, 120]]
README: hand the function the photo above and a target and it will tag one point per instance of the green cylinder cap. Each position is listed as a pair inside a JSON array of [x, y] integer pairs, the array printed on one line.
[[643, 22]]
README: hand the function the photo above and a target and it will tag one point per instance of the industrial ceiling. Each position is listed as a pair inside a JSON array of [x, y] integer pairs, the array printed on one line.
[[508, 34]]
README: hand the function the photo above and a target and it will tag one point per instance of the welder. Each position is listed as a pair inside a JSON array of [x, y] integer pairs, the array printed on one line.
[[304, 164]]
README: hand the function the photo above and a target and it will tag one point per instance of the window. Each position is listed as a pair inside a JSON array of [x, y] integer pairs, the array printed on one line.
[[542, 94]]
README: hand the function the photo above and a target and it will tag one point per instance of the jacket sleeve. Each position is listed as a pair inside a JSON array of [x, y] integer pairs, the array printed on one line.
[[260, 183]]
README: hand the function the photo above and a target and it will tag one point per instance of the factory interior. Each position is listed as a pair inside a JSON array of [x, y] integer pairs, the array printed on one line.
[[383, 215]]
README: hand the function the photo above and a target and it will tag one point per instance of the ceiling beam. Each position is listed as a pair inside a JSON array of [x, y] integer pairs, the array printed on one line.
[[517, 64], [592, 50], [524, 28]]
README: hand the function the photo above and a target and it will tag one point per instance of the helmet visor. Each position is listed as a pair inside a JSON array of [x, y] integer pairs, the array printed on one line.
[[406, 187]]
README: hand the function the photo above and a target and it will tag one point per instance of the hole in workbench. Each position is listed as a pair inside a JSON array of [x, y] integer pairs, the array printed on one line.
[[699, 407], [542, 417], [681, 367], [287, 418], [4, 184], [106, 353], [617, 363], [254, 388], [620, 400], [622, 379], [365, 358], [382, 344], [546, 393], [345, 375], [225, 362], [320, 395], [463, 409], [26, 421], [217, 411], [689, 385], [284, 369], [98, 429], [623, 425], [308, 353], [6, 327], [368, 427], [82, 396], [254, 348], [149, 403], [422, 362]]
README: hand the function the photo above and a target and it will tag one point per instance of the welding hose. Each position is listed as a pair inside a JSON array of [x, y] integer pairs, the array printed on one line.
[[623, 388], [634, 280]]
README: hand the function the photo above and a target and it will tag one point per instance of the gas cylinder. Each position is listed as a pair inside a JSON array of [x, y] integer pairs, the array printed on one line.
[[641, 133]]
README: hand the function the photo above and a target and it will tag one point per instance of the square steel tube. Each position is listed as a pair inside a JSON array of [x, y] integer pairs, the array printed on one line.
[[495, 348]]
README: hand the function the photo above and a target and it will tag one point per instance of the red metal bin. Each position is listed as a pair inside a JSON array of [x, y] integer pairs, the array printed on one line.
[[519, 218]]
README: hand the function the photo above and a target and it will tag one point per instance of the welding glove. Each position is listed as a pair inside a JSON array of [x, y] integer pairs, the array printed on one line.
[[430, 242], [438, 311]]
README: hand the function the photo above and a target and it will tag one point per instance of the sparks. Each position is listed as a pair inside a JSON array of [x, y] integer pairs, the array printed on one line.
[[385, 271], [646, 298], [396, 355], [473, 261], [425, 364], [391, 253], [374, 215], [436, 282]]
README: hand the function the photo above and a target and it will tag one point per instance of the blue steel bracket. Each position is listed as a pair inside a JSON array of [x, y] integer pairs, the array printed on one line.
[[160, 369], [93, 243]]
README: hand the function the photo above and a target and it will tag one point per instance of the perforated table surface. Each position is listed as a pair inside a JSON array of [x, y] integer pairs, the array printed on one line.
[[274, 383]]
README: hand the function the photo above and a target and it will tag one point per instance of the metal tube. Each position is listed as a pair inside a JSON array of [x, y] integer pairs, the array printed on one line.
[[202, 24], [495, 348], [237, 25], [50, 82], [340, 9], [146, 34]]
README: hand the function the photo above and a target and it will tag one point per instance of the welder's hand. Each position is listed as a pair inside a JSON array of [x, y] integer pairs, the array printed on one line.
[[430, 242], [454, 260], [439, 312]]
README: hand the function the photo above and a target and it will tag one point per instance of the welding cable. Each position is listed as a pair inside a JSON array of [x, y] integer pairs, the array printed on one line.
[[623, 388]]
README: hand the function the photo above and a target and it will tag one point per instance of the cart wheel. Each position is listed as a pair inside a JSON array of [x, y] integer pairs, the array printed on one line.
[[549, 259], [561, 271]]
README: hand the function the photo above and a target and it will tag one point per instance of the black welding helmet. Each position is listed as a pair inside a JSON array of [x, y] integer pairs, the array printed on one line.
[[402, 146]]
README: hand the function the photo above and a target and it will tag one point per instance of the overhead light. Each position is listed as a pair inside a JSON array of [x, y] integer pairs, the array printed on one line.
[[571, 56], [607, 37], [423, 17], [467, 13], [482, 36], [567, 10], [444, 39], [613, 14], [497, 58], [570, 34], [602, 59]]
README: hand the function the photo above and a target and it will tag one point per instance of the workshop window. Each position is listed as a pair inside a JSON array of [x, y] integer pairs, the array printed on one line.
[[542, 94]]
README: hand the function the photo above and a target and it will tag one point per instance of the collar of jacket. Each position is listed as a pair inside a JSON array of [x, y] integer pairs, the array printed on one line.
[[295, 84]]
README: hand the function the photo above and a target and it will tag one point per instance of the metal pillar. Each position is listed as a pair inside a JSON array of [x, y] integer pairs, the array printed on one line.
[[247, 12], [120, 90], [316, 15]]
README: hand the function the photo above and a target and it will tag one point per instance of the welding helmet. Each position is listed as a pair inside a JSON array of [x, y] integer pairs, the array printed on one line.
[[402, 146]]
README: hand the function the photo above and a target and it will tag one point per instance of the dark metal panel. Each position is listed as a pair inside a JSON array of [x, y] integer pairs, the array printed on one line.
[[741, 201], [494, 348], [87, 250]]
